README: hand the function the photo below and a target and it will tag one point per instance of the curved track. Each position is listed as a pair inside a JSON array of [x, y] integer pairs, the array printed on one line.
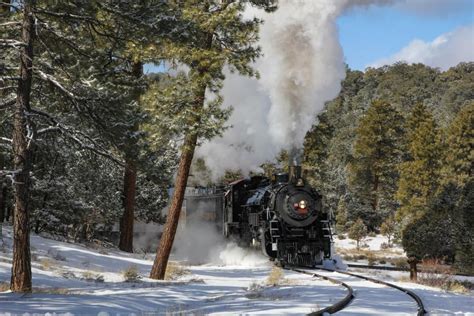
[[371, 295]]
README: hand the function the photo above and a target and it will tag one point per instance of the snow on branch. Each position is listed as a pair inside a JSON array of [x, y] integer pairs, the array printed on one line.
[[9, 24], [7, 104], [81, 139], [9, 78], [5, 140], [58, 85], [67, 15], [11, 43]]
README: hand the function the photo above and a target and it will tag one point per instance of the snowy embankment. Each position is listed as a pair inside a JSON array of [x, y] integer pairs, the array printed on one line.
[[436, 301], [70, 278], [79, 280]]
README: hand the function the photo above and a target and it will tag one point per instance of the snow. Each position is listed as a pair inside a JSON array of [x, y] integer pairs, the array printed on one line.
[[238, 288], [368, 243], [235, 288]]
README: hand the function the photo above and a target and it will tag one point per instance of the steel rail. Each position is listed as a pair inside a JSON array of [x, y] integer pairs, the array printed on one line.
[[388, 268], [421, 308], [336, 306]]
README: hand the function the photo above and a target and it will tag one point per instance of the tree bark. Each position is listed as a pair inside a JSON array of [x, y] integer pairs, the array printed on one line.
[[126, 222], [187, 153], [21, 267], [130, 183], [413, 269], [167, 238]]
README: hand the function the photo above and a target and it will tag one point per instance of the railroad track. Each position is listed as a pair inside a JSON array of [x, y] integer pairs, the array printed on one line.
[[343, 303]]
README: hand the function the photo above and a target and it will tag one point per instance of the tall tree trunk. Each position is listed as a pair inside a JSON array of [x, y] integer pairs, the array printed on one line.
[[130, 183], [167, 238], [3, 193], [21, 267], [375, 189], [187, 152], [126, 222], [413, 268], [166, 242]]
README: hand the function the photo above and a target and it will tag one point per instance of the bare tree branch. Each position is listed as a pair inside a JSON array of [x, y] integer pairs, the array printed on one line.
[[10, 23]]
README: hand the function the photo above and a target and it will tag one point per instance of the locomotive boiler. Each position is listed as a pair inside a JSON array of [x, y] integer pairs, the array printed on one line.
[[283, 215]]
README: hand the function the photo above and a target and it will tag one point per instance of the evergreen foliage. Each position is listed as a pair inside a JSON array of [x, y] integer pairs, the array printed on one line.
[[358, 231], [373, 170]]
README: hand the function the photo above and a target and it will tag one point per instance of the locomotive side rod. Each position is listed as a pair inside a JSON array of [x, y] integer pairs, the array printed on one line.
[[334, 307], [421, 308]]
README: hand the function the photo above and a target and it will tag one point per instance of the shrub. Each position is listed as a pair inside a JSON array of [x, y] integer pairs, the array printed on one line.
[[4, 286], [400, 262], [46, 264], [174, 271], [382, 261], [130, 274], [341, 236], [372, 234], [275, 277], [371, 259], [384, 245]]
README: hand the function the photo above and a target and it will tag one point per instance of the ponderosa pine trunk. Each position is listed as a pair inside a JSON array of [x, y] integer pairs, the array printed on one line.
[[129, 191], [167, 238], [130, 184], [21, 266]]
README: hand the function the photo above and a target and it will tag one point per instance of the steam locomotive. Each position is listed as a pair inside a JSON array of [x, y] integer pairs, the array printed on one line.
[[282, 215]]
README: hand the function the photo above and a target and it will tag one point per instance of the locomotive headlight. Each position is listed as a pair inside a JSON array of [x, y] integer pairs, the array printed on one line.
[[302, 204]]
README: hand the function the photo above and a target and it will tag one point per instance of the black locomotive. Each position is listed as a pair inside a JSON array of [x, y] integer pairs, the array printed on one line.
[[283, 215]]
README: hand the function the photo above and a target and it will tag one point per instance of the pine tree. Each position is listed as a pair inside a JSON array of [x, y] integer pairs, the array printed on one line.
[[372, 172], [419, 175], [220, 36], [455, 199], [358, 231]]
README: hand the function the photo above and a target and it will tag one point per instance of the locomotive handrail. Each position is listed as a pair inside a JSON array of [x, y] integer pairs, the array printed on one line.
[[340, 305]]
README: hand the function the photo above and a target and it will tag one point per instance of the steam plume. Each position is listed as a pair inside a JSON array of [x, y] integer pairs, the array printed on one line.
[[302, 68]]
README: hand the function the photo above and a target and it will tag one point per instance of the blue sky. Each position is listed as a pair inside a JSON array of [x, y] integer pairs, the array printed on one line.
[[369, 34]]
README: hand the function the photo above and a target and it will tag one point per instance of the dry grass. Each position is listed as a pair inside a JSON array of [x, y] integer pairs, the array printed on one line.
[[439, 275], [276, 277], [4, 286], [47, 264], [374, 256], [131, 274], [175, 271]]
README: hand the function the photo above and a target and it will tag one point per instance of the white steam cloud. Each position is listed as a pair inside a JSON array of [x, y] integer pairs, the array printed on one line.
[[302, 68], [199, 242], [445, 51]]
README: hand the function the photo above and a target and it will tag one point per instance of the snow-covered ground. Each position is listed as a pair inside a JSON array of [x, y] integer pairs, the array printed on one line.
[[60, 271], [219, 289]]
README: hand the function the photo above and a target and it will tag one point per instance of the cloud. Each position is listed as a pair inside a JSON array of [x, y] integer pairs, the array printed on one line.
[[445, 51], [435, 7]]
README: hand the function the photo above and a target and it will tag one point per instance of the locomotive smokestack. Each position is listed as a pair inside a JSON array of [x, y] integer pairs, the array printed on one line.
[[295, 173]]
